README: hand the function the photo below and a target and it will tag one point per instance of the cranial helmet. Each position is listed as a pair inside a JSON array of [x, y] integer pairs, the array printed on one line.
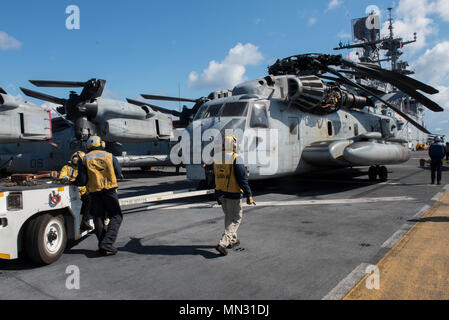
[[79, 154], [93, 142], [437, 139]]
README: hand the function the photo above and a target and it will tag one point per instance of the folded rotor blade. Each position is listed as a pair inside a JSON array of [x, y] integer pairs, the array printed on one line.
[[58, 84], [42, 96], [406, 87], [157, 108], [166, 98], [398, 111], [408, 80]]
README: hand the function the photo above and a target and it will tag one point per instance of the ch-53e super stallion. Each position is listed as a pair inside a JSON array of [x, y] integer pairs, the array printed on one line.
[[305, 116]]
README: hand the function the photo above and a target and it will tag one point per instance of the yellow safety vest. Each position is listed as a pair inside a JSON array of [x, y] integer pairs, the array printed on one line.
[[72, 172], [225, 179], [100, 171]]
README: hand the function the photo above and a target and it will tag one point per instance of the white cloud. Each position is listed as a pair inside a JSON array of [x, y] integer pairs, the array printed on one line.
[[8, 43], [432, 68], [229, 72], [333, 4], [109, 94], [344, 35], [442, 7], [312, 21], [258, 20], [414, 16], [433, 65]]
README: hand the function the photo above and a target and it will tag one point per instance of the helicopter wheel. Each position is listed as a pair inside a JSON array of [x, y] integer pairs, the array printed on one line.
[[372, 173], [383, 173]]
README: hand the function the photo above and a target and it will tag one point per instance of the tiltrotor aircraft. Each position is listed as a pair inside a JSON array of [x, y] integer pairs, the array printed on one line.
[[22, 121], [137, 134], [305, 115], [112, 120]]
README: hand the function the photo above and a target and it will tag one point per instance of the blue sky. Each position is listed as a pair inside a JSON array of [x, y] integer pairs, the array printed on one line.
[[154, 47]]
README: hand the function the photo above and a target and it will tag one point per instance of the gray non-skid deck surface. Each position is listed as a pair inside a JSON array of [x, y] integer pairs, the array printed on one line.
[[288, 252]]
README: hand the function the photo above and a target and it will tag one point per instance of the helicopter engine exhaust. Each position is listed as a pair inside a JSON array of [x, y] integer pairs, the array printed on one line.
[[311, 94]]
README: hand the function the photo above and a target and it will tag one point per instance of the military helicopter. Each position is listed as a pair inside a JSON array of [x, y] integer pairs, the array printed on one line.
[[22, 121], [139, 136], [304, 116], [114, 121]]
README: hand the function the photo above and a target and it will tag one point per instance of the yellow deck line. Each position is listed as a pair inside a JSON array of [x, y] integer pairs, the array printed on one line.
[[417, 267]]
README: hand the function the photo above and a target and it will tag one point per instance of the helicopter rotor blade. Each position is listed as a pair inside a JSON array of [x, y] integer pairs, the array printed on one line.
[[406, 87], [167, 98], [43, 96], [157, 108], [58, 84], [398, 111], [93, 89], [408, 80]]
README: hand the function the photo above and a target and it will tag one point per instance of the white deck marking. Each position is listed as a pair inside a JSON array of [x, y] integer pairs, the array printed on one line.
[[437, 196], [284, 203], [421, 212], [396, 236], [345, 285]]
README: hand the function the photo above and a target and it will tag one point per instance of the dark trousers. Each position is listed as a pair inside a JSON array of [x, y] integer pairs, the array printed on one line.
[[102, 202], [436, 167], [85, 207]]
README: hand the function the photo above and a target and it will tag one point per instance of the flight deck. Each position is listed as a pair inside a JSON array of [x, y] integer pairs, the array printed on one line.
[[310, 237]]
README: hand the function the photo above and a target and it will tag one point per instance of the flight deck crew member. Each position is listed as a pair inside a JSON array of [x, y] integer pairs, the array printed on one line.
[[231, 183], [436, 153], [68, 174], [99, 172]]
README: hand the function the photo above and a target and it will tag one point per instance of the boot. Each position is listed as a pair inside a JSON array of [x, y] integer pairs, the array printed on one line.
[[85, 225]]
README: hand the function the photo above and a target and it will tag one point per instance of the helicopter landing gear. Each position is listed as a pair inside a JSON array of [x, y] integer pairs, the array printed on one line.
[[378, 171]]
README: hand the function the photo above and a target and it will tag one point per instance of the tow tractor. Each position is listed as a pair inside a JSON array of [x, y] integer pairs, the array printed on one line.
[[39, 218]]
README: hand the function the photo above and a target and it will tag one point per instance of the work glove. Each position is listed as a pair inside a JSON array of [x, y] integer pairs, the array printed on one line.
[[250, 201], [219, 201], [65, 179]]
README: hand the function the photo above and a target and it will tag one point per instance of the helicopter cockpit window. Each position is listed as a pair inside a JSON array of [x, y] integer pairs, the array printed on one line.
[[259, 118], [208, 111], [235, 109]]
